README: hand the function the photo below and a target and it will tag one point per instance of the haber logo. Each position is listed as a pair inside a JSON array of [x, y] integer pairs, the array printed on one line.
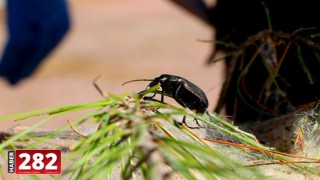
[[34, 161]]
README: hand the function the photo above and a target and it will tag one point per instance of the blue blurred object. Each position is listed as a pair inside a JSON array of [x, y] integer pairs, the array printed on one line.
[[35, 27]]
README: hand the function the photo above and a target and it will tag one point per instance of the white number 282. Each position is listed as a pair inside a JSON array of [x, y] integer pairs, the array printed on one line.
[[38, 161]]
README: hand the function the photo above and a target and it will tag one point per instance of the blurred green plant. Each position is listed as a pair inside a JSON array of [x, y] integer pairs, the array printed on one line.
[[142, 139]]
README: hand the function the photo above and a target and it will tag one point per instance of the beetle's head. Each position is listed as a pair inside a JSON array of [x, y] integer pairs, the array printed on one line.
[[159, 80], [163, 79]]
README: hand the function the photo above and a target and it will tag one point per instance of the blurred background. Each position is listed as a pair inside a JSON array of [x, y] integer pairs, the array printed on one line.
[[121, 41]]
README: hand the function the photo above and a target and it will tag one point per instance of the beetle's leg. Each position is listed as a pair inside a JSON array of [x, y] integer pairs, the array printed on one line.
[[197, 122], [149, 97], [195, 119], [176, 97], [162, 96], [184, 105], [184, 120], [146, 97], [176, 94], [185, 123]]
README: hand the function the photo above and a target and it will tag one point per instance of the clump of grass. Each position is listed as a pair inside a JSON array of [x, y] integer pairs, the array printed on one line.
[[266, 71], [144, 139]]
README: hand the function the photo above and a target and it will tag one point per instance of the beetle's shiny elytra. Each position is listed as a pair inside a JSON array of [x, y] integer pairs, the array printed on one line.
[[186, 93]]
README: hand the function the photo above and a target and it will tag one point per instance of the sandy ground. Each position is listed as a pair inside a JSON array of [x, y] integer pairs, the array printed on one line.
[[119, 40]]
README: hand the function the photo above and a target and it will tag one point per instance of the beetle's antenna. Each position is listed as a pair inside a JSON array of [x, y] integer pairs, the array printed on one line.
[[137, 80]]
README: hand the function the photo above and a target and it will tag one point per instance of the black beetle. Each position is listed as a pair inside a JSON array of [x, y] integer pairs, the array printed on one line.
[[186, 93]]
